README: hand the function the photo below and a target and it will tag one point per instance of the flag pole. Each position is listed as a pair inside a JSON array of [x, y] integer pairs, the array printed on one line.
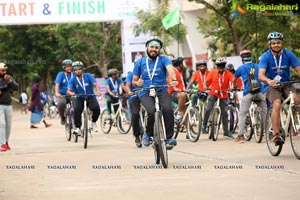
[[178, 37]]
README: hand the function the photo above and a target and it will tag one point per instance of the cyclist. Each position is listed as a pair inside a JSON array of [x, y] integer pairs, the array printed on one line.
[[218, 79], [112, 94], [200, 77], [81, 84], [134, 105], [239, 80], [243, 72], [152, 70], [274, 66], [176, 92], [61, 86]]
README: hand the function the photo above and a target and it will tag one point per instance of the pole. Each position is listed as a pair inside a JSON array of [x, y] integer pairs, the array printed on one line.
[[255, 24], [178, 37]]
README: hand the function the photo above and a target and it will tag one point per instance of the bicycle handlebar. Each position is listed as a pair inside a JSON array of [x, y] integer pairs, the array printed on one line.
[[151, 87], [286, 83]]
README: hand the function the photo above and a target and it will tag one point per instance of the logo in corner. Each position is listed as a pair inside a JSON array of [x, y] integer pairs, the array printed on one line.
[[236, 10]]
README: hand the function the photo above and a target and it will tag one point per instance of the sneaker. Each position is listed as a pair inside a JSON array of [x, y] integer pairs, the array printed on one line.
[[8, 147], [277, 139], [138, 141], [203, 128], [77, 131], [63, 121], [3, 147], [94, 127], [239, 139], [228, 135], [146, 140], [171, 141]]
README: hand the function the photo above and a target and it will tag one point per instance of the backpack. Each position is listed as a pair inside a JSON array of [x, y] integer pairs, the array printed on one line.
[[20, 99], [253, 84]]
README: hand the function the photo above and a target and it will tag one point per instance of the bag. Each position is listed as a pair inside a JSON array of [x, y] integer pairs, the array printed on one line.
[[20, 99], [253, 84]]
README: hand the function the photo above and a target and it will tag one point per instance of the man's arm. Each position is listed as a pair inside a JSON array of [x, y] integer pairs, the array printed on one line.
[[95, 85], [56, 89], [297, 69], [172, 75], [262, 77]]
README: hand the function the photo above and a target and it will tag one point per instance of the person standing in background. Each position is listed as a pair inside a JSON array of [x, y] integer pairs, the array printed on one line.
[[7, 84], [24, 98]]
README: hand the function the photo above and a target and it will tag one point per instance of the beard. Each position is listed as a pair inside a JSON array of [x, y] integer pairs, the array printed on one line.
[[202, 71], [2, 75], [152, 55]]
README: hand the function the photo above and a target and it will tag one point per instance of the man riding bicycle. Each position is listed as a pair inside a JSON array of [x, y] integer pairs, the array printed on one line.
[[219, 80], [176, 92], [274, 67], [82, 84], [200, 76], [244, 71], [151, 70], [61, 86]]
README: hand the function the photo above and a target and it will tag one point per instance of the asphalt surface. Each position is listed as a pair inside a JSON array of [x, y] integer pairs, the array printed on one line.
[[44, 165]]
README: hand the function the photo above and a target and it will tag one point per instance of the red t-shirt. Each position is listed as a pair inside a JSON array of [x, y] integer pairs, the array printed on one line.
[[200, 78], [179, 78], [216, 81]]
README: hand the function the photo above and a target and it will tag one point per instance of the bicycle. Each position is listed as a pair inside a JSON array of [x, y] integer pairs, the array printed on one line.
[[194, 120], [159, 133], [214, 120], [254, 123], [85, 116], [69, 124], [51, 111], [289, 125], [120, 119]]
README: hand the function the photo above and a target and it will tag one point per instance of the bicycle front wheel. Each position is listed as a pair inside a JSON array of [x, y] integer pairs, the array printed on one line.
[[194, 124], [216, 118], [232, 118], [85, 129], [295, 132], [105, 121], [123, 121], [68, 127], [160, 138], [274, 150]]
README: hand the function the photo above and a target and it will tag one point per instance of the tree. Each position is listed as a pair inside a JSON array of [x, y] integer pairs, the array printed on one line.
[[150, 21], [232, 34]]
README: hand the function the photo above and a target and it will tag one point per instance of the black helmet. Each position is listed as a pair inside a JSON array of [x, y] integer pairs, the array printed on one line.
[[111, 72], [177, 61], [230, 67], [66, 62], [154, 38]]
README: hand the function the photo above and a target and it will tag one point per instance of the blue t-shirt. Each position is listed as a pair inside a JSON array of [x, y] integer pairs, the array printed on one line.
[[62, 79], [244, 71], [267, 62], [83, 86], [160, 74], [114, 85], [129, 80]]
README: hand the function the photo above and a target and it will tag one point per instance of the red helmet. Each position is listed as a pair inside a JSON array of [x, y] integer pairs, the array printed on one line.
[[246, 54]]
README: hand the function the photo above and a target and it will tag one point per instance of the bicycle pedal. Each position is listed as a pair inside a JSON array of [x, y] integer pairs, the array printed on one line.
[[169, 147]]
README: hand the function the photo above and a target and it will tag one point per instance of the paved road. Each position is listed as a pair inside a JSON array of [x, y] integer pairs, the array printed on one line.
[[43, 165]]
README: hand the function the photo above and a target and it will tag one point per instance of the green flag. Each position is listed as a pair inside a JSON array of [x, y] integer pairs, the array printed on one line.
[[172, 19]]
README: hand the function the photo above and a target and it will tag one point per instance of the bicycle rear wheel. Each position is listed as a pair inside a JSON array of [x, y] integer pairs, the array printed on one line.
[[232, 118], [258, 127], [215, 124], [123, 121], [159, 137], [295, 133], [85, 129], [274, 150], [248, 129], [105, 122], [194, 124]]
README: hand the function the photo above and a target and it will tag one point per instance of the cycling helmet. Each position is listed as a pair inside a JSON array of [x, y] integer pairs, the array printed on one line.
[[156, 39], [201, 62], [66, 62], [203, 96], [275, 36], [246, 55], [221, 61], [111, 72], [230, 67], [77, 65], [177, 61]]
